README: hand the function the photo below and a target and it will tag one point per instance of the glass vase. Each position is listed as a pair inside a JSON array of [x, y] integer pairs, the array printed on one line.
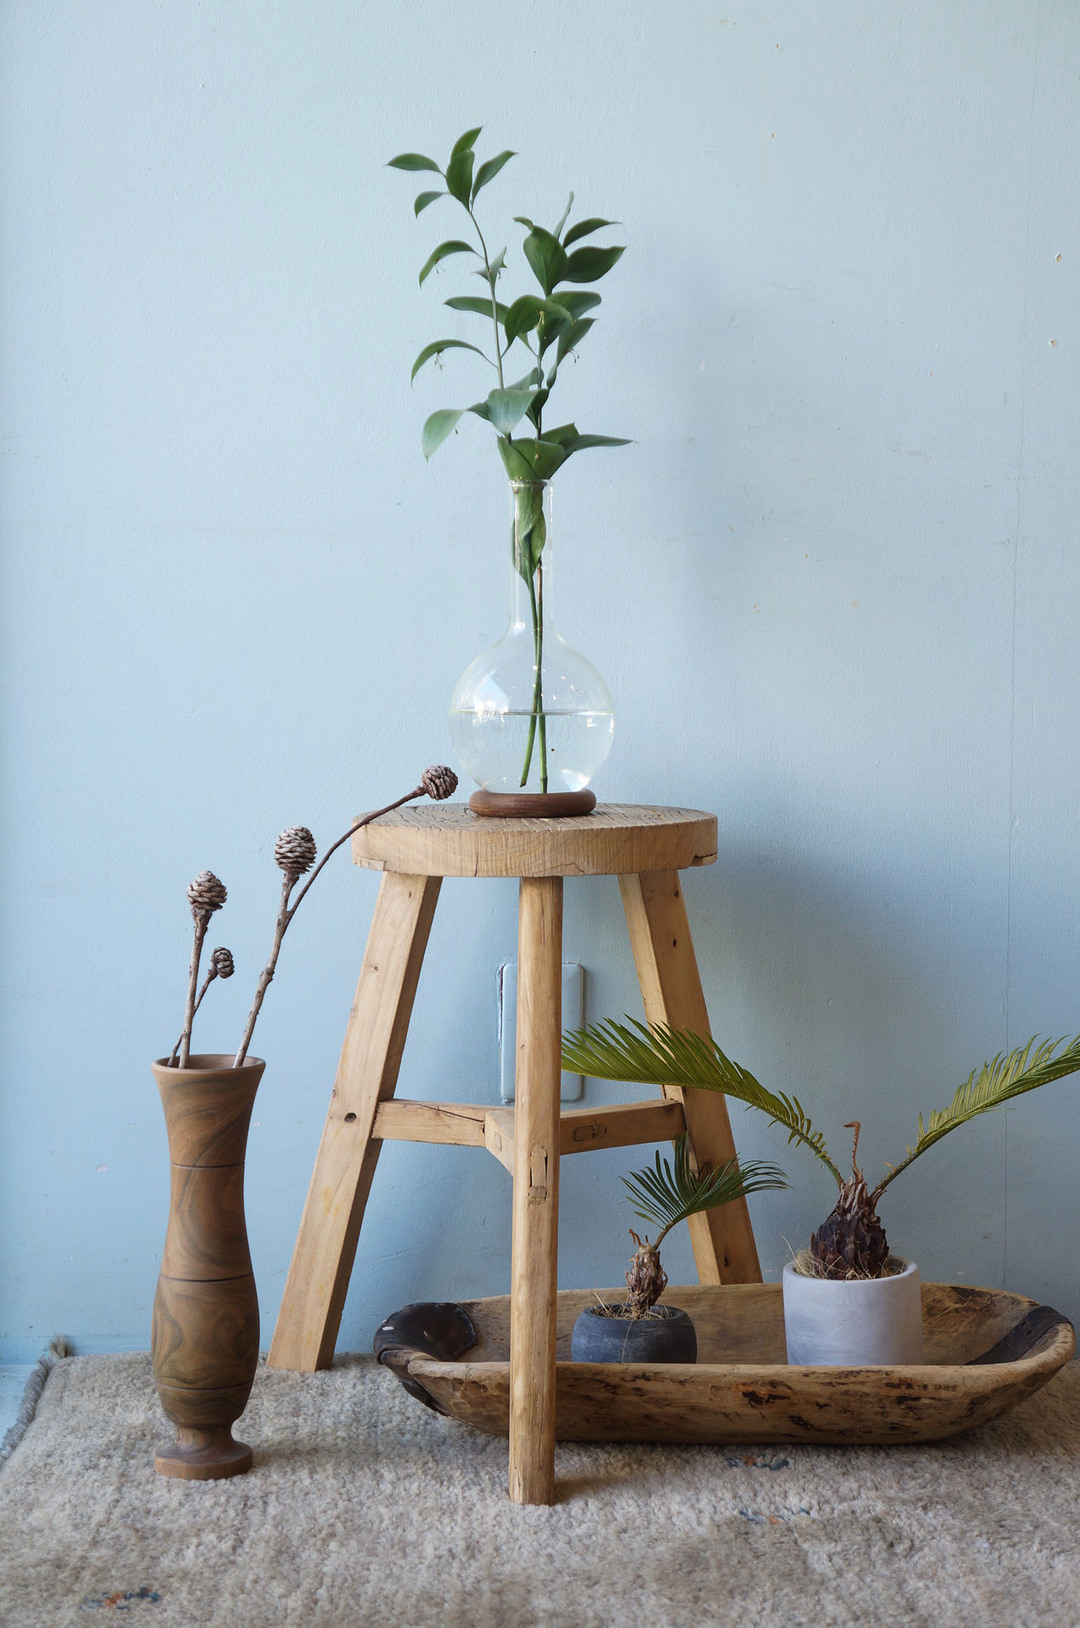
[[531, 715]]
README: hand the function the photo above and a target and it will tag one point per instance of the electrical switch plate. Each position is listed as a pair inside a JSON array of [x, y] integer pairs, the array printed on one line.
[[573, 1016]]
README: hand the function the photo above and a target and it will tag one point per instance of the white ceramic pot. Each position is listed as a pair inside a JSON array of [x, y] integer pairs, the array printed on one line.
[[854, 1323]]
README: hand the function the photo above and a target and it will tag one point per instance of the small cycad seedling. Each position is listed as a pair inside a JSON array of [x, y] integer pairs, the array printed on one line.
[[851, 1242], [663, 1196]]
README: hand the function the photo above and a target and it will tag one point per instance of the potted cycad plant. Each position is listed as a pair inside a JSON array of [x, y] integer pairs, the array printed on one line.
[[531, 719], [847, 1298], [637, 1329]]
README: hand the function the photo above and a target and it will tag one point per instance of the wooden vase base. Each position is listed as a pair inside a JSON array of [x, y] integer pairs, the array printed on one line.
[[203, 1455], [549, 805]]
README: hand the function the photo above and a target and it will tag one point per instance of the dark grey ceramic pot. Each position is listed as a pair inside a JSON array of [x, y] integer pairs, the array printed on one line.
[[670, 1337]]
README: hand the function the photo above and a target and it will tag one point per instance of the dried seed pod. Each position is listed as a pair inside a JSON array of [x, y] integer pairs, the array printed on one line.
[[206, 894], [221, 964], [295, 850], [439, 782]]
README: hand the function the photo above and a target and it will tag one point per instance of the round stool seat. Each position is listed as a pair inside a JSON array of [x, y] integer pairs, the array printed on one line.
[[616, 839]]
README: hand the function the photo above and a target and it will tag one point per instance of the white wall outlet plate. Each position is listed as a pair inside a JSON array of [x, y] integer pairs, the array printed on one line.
[[573, 1016]]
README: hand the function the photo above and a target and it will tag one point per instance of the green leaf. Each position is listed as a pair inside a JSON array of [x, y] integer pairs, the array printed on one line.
[[476, 304], [465, 142], [530, 460], [588, 265], [451, 246], [498, 263], [425, 198], [438, 427], [523, 315], [582, 443], [435, 349], [508, 407], [577, 302], [489, 170], [526, 312], [584, 227], [530, 529], [561, 433], [459, 175], [536, 406], [663, 1197], [572, 336], [523, 220], [554, 322], [655, 1054], [413, 161], [564, 217], [996, 1083], [546, 257]]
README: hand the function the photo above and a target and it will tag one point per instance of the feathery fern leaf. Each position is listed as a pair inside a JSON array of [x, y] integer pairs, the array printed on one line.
[[655, 1054], [663, 1196], [996, 1083]]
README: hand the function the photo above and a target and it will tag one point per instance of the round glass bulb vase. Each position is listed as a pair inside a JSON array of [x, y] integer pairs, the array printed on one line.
[[531, 718]]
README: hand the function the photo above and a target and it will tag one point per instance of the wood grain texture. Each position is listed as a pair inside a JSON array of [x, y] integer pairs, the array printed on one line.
[[454, 1124], [534, 1254], [206, 1335], [207, 1233], [722, 1239], [551, 805], [367, 1074], [447, 839], [208, 1108], [205, 1329], [741, 1389], [583, 1130]]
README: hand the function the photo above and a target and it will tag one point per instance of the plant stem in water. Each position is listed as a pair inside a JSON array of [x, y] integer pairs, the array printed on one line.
[[536, 600]]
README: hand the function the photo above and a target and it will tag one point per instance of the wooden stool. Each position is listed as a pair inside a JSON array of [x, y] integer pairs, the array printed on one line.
[[416, 847]]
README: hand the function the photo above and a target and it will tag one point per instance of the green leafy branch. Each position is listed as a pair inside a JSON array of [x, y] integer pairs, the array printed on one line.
[[663, 1196], [644, 1054], [989, 1087], [549, 325], [657, 1055]]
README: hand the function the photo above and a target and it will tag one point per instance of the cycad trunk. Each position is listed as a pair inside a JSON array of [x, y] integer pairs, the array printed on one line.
[[646, 1279], [851, 1242]]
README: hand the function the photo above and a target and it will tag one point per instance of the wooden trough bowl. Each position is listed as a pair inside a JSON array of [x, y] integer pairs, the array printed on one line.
[[985, 1351]]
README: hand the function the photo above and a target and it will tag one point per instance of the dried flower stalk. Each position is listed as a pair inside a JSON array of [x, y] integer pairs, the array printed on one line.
[[221, 966], [206, 894], [294, 852]]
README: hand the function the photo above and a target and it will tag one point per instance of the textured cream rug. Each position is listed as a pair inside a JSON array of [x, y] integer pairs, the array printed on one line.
[[365, 1508]]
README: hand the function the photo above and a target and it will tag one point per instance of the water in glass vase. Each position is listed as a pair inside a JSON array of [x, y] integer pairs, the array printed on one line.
[[494, 748], [531, 714]]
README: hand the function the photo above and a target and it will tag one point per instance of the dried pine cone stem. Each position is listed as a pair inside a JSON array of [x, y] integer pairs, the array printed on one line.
[[437, 783], [206, 894], [221, 966]]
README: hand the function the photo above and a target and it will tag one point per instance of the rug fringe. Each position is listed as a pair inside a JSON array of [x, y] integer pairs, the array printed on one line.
[[59, 1346]]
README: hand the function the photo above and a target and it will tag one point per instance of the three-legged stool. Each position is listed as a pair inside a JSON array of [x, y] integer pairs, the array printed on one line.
[[645, 848]]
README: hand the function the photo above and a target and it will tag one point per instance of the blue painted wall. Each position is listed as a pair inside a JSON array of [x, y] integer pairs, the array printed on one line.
[[834, 587]]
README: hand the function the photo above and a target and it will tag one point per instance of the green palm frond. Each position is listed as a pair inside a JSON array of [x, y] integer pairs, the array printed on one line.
[[663, 1196], [997, 1082], [655, 1054]]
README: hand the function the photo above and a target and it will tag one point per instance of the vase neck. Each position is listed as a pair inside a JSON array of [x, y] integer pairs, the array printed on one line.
[[530, 549]]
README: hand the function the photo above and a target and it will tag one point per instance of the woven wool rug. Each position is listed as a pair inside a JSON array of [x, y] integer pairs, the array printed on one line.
[[365, 1508]]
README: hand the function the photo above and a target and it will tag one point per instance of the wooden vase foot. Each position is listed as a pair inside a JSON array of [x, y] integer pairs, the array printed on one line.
[[544, 805], [203, 1455]]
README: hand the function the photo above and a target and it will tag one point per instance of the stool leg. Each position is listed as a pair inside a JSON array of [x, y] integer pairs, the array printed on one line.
[[723, 1239], [536, 1192], [307, 1325]]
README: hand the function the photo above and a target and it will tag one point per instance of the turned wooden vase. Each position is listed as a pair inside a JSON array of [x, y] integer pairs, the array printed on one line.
[[205, 1338]]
